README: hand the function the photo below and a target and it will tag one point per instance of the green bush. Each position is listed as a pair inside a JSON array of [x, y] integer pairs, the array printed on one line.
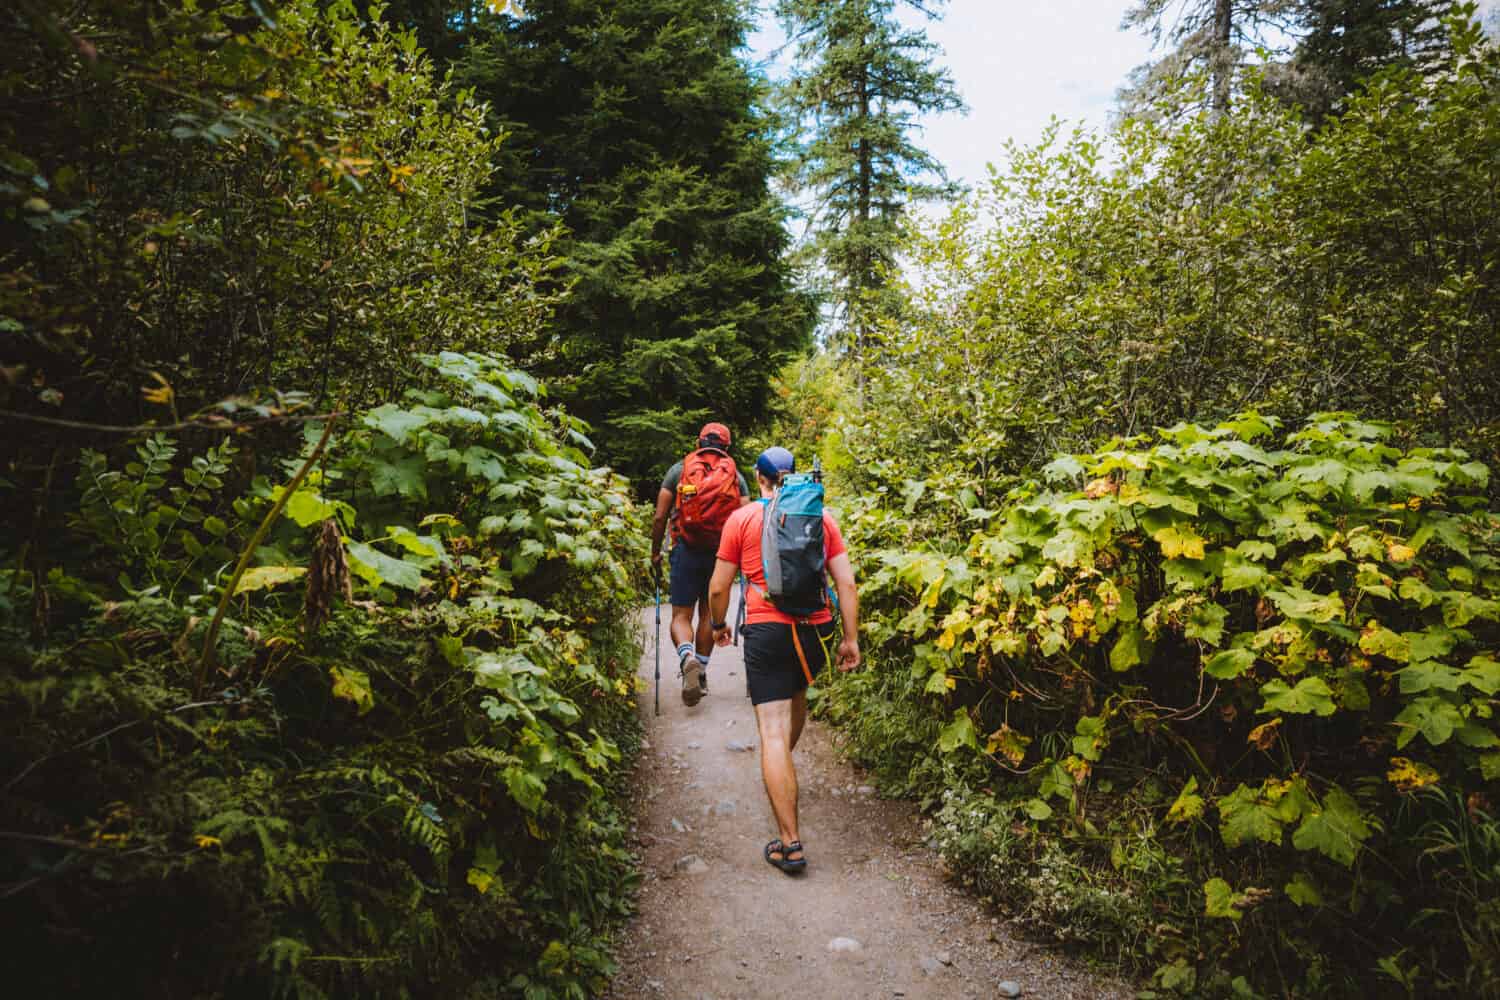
[[1272, 655], [398, 778]]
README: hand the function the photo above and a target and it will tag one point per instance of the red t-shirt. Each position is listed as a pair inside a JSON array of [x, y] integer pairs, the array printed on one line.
[[740, 544]]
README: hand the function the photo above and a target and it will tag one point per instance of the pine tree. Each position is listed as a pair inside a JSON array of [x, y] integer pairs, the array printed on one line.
[[1207, 36], [861, 80], [637, 126], [1344, 41]]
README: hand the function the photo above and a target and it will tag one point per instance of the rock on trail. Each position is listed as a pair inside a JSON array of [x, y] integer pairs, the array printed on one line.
[[871, 916]]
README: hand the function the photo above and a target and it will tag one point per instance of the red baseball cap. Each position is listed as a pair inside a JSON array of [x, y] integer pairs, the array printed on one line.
[[714, 430]]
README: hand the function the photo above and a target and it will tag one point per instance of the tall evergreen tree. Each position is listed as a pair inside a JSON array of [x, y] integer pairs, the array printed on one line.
[[1344, 41], [638, 126], [1200, 36], [861, 80]]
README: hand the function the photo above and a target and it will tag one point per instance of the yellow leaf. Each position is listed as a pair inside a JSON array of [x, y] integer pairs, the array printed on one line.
[[161, 394], [1263, 736], [480, 879], [262, 577], [950, 683], [1396, 552], [1409, 775], [353, 685], [1009, 743], [204, 841], [1179, 540]]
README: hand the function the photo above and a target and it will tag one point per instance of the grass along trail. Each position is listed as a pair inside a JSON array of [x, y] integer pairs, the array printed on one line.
[[871, 917]]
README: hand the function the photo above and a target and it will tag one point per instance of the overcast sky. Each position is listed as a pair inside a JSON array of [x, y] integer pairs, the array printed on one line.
[[1017, 63]]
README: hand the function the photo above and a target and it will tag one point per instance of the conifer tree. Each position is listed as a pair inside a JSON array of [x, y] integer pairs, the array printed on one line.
[[1344, 41], [1207, 36], [861, 80], [638, 127]]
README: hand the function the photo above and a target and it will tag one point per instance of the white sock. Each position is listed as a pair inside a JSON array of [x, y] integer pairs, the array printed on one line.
[[686, 649], [703, 659]]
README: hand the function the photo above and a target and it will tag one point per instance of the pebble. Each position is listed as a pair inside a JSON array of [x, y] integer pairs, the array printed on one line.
[[690, 865], [737, 746], [694, 745], [930, 965], [1007, 988], [655, 985], [944, 957], [722, 808], [679, 825], [645, 744], [844, 944], [866, 789]]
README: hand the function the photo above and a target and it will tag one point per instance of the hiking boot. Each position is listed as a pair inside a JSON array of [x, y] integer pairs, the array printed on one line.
[[692, 679], [703, 680]]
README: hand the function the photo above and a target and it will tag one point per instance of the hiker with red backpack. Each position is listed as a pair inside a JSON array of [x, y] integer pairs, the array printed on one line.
[[699, 494], [787, 547]]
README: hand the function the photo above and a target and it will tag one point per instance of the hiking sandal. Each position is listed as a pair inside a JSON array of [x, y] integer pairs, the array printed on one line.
[[786, 862]]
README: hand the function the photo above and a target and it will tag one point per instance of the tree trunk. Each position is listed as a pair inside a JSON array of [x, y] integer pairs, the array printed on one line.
[[1220, 58]]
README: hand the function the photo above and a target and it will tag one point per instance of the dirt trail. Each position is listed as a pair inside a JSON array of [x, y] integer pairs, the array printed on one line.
[[731, 926]]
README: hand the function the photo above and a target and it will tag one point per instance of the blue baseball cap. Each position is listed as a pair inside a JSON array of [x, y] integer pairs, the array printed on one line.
[[774, 462]]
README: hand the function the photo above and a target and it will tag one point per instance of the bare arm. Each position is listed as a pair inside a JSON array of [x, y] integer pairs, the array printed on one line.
[[664, 500], [718, 598], [843, 582]]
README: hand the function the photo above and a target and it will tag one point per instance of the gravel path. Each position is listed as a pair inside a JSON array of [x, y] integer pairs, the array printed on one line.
[[872, 916]]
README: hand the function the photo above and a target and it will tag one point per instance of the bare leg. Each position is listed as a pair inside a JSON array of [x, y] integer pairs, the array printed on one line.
[[799, 716], [705, 634], [774, 719], [682, 624]]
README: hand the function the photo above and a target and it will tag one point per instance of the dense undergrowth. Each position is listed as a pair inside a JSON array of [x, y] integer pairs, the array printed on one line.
[[1225, 712], [395, 770], [1214, 698]]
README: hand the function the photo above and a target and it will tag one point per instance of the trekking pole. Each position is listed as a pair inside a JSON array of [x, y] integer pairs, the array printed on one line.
[[656, 579], [739, 619]]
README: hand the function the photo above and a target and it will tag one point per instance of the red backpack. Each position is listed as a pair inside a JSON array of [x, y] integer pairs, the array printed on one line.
[[707, 494]]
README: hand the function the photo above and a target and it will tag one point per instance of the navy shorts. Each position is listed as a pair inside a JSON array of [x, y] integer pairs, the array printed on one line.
[[691, 570], [772, 670]]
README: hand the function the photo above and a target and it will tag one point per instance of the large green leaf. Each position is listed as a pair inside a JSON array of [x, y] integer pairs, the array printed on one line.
[[375, 567], [395, 422], [406, 476], [1131, 648], [1335, 828], [959, 732], [1227, 664], [1311, 695], [1294, 602], [1433, 717], [1244, 816]]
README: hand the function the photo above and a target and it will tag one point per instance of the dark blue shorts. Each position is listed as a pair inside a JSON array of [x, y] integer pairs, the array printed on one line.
[[773, 670], [691, 570]]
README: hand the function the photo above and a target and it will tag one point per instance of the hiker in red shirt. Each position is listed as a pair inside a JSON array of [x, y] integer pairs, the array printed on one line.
[[698, 495], [783, 652]]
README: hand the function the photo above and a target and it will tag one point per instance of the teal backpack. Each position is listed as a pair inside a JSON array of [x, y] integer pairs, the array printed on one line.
[[791, 545]]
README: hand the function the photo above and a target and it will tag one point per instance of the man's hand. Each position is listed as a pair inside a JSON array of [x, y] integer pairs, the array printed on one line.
[[656, 560], [723, 635], [848, 654]]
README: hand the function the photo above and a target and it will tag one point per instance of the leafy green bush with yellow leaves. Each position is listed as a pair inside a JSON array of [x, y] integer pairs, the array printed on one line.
[[1278, 651]]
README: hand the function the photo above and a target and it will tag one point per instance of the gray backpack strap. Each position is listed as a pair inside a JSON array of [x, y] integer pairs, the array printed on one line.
[[768, 556]]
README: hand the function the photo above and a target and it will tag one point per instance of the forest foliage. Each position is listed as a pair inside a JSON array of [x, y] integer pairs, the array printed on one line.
[[1167, 461], [1214, 692], [316, 615]]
